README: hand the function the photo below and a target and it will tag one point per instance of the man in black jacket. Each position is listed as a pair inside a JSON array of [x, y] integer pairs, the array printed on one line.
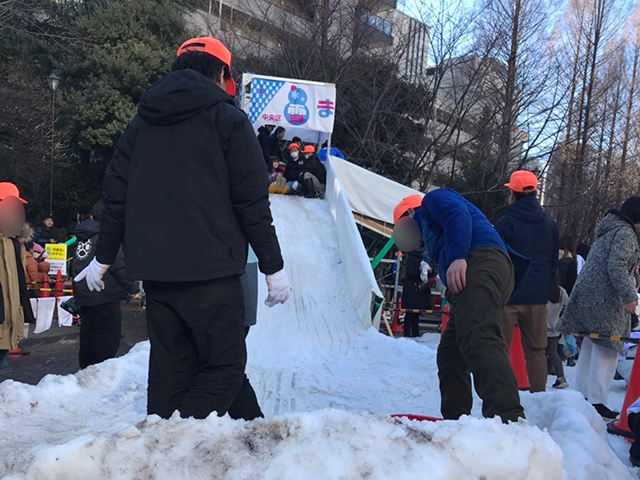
[[274, 144], [44, 233], [527, 229], [264, 133], [188, 171], [101, 324]]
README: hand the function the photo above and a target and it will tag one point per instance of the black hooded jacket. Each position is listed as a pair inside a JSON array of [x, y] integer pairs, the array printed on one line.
[[527, 229], [43, 234], [116, 285], [186, 188], [314, 166], [265, 143]]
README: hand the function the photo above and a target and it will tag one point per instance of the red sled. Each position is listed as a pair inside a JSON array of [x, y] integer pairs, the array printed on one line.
[[420, 418]]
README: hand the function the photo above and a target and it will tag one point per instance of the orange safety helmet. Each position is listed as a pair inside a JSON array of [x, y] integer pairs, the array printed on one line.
[[309, 149], [412, 201], [213, 47], [294, 145], [9, 190]]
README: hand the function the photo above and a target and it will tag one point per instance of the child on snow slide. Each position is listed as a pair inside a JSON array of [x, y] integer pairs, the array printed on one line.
[[277, 182]]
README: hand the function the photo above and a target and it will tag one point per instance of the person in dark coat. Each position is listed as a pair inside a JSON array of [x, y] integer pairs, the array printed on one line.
[[416, 294], [474, 265], [314, 176], [274, 143], [298, 141], [527, 229], [188, 170], [44, 233], [295, 165], [264, 133], [567, 263], [101, 317]]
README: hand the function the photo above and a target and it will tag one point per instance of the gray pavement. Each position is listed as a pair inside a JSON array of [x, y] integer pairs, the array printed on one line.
[[56, 350]]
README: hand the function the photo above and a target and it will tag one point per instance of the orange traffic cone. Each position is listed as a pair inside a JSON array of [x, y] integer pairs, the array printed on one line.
[[445, 319], [621, 426], [44, 293], [58, 285], [395, 324], [516, 359]]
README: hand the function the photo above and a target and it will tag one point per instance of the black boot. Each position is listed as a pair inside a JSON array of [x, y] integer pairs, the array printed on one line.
[[605, 412]]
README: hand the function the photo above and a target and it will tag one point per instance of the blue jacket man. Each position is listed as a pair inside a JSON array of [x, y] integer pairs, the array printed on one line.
[[474, 264], [527, 229]]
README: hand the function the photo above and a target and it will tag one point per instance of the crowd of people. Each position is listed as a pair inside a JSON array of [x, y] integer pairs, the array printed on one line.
[[296, 169], [201, 302], [521, 272]]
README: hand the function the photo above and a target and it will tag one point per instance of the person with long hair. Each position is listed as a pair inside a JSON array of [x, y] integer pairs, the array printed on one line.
[[567, 262], [602, 301]]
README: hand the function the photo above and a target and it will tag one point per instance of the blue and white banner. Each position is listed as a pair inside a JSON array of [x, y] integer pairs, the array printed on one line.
[[292, 104]]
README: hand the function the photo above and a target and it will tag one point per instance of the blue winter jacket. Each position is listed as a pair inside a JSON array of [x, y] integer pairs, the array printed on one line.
[[452, 227], [322, 154]]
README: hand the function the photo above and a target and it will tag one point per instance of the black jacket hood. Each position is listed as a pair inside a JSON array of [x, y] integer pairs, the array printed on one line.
[[526, 209], [87, 229], [179, 96], [264, 129]]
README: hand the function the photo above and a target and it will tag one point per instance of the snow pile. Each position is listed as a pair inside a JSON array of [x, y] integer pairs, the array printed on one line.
[[329, 444], [316, 372], [579, 431]]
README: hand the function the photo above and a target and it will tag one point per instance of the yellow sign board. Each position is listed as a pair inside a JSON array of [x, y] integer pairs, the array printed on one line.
[[57, 258]]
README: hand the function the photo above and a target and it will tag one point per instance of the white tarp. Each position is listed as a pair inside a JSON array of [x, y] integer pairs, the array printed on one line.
[[362, 285], [291, 103], [369, 193]]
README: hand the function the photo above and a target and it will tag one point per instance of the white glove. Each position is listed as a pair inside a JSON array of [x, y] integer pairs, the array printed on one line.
[[279, 288], [425, 269], [93, 275]]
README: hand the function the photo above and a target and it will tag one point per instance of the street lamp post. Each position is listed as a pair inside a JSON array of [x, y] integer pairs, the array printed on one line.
[[54, 81]]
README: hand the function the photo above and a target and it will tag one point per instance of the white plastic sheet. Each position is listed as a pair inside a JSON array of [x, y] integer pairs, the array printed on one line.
[[361, 282], [369, 193], [44, 317], [65, 319]]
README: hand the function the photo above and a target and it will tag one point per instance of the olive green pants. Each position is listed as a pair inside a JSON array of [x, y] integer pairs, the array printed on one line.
[[472, 342]]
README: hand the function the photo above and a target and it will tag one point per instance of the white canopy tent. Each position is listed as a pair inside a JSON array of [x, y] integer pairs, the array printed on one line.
[[371, 197]]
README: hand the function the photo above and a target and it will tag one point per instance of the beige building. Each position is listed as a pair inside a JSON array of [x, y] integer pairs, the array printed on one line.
[[353, 27]]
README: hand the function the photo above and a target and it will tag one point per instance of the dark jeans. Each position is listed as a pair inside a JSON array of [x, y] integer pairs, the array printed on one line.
[[554, 362], [100, 331], [245, 405], [4, 363], [198, 352], [411, 327], [472, 342], [633, 421]]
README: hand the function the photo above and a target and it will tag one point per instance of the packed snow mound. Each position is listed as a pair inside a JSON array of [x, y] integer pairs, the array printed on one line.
[[326, 386], [329, 444]]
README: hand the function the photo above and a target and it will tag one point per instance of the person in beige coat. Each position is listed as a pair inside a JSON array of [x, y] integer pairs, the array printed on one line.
[[14, 300]]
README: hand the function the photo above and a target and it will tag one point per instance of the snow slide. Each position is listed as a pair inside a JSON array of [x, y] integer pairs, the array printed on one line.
[[326, 384]]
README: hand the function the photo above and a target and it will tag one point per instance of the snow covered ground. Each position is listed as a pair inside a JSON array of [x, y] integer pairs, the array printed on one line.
[[326, 386]]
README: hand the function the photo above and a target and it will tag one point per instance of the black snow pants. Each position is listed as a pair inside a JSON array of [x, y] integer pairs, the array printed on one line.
[[198, 351], [100, 331]]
